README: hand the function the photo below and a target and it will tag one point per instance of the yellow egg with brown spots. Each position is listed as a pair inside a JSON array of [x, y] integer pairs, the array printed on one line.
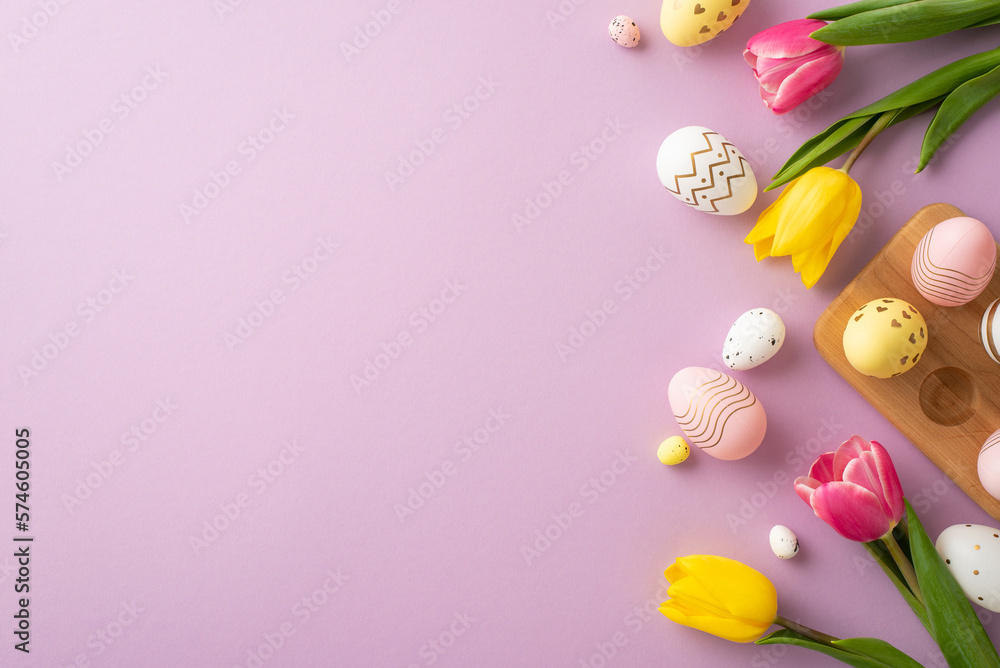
[[885, 338], [673, 451]]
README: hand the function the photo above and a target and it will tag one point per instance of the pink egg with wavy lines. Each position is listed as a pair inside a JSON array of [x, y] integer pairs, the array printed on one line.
[[954, 262], [717, 413]]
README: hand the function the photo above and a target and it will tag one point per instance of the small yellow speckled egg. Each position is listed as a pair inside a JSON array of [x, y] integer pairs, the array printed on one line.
[[673, 451], [885, 338]]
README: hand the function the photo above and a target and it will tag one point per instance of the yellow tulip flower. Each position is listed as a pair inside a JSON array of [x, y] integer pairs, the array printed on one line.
[[810, 219], [720, 596]]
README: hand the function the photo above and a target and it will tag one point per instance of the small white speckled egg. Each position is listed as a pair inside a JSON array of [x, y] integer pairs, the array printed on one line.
[[624, 31], [784, 542], [972, 554], [673, 451], [753, 339], [704, 170]]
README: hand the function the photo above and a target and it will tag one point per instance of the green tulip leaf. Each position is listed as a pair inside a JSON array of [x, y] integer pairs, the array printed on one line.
[[954, 625], [938, 83], [907, 22], [835, 13], [879, 650], [913, 99], [821, 149], [956, 109], [836, 140], [988, 22], [849, 655], [881, 554]]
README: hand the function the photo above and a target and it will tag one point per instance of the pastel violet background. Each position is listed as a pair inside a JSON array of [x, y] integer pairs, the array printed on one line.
[[308, 251]]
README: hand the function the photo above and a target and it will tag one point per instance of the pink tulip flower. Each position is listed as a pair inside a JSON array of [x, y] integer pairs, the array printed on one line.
[[791, 66], [855, 490]]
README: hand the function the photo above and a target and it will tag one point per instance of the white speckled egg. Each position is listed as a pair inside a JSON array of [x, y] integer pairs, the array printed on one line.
[[972, 554], [691, 22], [954, 262], [624, 31], [717, 413], [753, 339], [988, 465], [784, 542], [989, 331], [702, 169]]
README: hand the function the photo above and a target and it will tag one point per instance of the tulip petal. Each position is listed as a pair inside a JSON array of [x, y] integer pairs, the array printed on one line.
[[852, 511], [690, 591], [787, 40], [729, 629], [808, 79], [848, 450], [889, 480], [862, 472], [812, 211], [742, 588], [805, 486], [822, 468]]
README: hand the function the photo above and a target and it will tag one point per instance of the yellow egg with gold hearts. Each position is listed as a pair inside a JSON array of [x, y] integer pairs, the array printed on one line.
[[692, 22], [885, 337]]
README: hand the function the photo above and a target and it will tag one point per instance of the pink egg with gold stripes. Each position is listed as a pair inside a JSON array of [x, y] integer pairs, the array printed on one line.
[[954, 262], [989, 331], [717, 413]]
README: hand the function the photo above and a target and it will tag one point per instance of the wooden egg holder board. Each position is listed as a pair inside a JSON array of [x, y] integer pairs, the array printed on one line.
[[949, 403]]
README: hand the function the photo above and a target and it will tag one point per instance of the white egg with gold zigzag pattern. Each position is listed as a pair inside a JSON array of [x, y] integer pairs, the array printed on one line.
[[705, 171]]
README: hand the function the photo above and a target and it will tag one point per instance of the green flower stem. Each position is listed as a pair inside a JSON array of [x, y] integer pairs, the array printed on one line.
[[905, 567], [812, 634], [881, 124]]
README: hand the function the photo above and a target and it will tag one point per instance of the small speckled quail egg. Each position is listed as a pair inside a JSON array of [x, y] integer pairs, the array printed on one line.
[[784, 542], [753, 339], [624, 31], [972, 554], [673, 451]]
